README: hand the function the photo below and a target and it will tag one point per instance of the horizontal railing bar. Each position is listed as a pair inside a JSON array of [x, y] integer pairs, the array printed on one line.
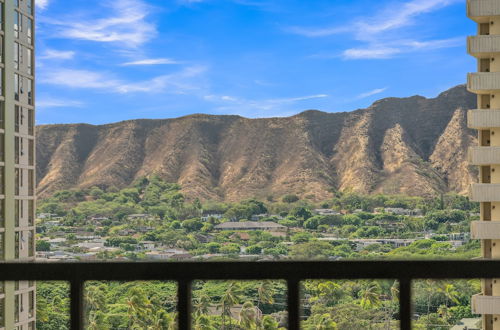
[[285, 270]]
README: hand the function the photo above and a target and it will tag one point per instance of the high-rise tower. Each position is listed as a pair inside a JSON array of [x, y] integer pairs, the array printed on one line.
[[17, 158], [485, 47]]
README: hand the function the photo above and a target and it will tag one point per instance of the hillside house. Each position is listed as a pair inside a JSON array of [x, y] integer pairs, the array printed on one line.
[[251, 225]]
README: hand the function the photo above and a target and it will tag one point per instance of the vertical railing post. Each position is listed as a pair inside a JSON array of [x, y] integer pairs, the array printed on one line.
[[405, 312], [77, 311], [293, 296], [184, 304]]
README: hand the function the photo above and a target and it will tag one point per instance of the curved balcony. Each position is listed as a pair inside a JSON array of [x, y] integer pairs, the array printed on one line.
[[483, 46], [484, 155], [485, 192], [485, 229], [483, 119], [483, 82], [481, 10], [485, 305]]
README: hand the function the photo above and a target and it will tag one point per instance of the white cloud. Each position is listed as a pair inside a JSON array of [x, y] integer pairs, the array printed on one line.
[[51, 54], [151, 61], [377, 31], [259, 108], [49, 102], [371, 93], [128, 25], [41, 4], [390, 49], [179, 82]]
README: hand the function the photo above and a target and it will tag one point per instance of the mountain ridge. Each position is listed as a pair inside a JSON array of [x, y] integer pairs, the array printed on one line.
[[413, 145]]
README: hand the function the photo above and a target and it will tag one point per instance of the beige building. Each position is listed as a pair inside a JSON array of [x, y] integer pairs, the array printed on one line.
[[485, 47], [17, 158]]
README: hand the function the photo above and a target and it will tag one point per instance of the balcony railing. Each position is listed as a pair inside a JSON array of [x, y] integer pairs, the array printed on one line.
[[481, 46], [484, 155], [485, 229], [485, 192], [486, 305], [480, 9], [482, 119], [293, 272], [483, 82]]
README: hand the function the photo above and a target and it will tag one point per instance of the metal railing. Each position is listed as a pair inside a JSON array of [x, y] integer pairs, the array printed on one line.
[[184, 273]]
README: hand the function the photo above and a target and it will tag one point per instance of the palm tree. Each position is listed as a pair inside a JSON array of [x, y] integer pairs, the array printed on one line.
[[230, 298], [201, 305], [138, 305], [370, 295], [248, 316], [450, 293], [265, 292], [162, 321], [202, 322]]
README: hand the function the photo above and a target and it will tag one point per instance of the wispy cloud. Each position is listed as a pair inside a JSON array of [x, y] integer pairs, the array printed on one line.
[[51, 54], [378, 31], [390, 49], [179, 82], [50, 102], [42, 4], [151, 61], [371, 93], [259, 108], [127, 25]]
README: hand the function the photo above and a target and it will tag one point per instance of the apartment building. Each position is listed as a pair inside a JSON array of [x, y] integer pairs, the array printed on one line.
[[485, 47], [17, 158]]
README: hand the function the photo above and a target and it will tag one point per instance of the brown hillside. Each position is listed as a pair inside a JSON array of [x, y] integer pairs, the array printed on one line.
[[414, 145]]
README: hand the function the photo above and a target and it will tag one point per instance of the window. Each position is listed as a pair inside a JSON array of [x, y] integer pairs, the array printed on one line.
[[31, 152], [2, 114], [2, 287], [16, 55], [17, 117], [1, 15], [31, 244], [1, 246], [17, 209], [29, 57], [16, 3], [2, 213], [18, 179], [31, 325], [30, 30], [17, 149], [31, 182], [31, 213], [2, 154], [1, 48], [17, 24], [16, 308], [30, 91], [2, 310], [29, 7], [31, 122], [16, 86], [31, 304], [16, 248]]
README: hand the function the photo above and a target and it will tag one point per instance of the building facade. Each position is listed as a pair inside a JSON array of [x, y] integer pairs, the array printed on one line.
[[485, 47], [17, 158]]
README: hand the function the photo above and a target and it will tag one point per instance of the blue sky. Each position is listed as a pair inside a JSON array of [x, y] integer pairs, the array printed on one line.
[[101, 61]]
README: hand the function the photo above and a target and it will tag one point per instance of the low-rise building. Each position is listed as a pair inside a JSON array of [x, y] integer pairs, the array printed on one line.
[[325, 212], [251, 225]]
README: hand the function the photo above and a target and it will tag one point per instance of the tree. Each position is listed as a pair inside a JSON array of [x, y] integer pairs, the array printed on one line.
[[290, 198], [248, 316], [370, 295], [320, 322], [138, 305], [42, 245], [231, 297]]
